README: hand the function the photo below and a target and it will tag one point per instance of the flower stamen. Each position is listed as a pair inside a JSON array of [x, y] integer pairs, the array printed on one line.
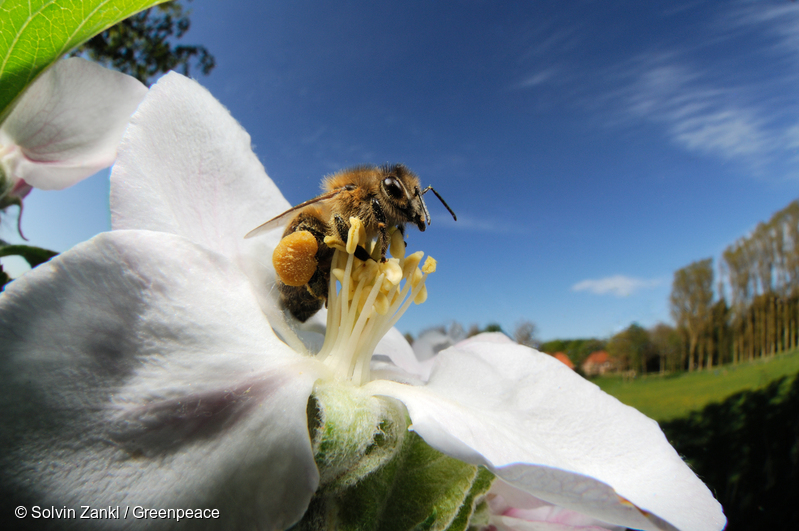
[[367, 298]]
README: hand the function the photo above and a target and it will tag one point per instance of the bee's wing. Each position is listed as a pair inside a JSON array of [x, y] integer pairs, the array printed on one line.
[[282, 219]]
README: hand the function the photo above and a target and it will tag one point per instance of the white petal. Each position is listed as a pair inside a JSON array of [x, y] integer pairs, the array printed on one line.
[[186, 167], [489, 337], [430, 343], [68, 123], [137, 370], [396, 348], [549, 432]]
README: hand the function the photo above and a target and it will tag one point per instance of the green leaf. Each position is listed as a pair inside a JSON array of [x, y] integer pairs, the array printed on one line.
[[35, 33], [33, 255]]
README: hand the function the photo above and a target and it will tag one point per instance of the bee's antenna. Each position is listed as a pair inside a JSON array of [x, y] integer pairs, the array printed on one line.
[[442, 202]]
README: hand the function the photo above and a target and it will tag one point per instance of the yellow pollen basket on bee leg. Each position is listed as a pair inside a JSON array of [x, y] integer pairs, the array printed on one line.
[[366, 298], [294, 258]]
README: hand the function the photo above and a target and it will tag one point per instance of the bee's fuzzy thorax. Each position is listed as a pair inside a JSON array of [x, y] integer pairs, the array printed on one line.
[[384, 198]]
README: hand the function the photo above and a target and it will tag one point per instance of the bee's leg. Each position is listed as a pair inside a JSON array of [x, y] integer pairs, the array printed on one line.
[[300, 301], [343, 230], [304, 301], [342, 227], [310, 223], [401, 229], [324, 254], [382, 228]]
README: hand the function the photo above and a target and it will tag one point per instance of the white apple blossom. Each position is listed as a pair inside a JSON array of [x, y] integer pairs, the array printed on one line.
[[153, 366], [65, 127]]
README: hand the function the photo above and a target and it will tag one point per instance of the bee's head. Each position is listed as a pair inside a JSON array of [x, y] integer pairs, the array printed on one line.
[[401, 188]]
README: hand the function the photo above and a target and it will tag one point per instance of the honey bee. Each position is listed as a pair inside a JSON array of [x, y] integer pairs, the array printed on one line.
[[381, 197]]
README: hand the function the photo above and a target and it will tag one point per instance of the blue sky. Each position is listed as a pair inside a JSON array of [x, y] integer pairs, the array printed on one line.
[[589, 149]]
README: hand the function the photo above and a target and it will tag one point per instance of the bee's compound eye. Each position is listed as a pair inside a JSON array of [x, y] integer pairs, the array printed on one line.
[[393, 187]]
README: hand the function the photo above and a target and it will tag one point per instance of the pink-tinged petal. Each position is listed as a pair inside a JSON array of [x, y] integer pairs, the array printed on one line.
[[137, 369], [514, 509], [509, 523], [549, 432], [68, 124], [186, 167], [21, 189]]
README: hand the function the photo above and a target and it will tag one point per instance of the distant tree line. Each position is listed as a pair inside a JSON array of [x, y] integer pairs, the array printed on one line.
[[754, 311], [751, 310]]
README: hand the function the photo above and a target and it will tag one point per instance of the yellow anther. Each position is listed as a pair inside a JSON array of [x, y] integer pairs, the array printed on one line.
[[387, 285], [429, 265], [421, 296], [357, 272], [356, 235], [417, 277], [397, 247], [381, 304], [370, 270], [334, 242], [392, 270], [411, 262], [376, 294]]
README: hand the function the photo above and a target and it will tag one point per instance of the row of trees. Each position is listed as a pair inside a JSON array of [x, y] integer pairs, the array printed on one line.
[[754, 310], [750, 310], [658, 349]]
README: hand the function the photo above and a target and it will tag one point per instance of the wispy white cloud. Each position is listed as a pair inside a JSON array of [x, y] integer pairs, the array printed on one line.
[[617, 285], [780, 21], [792, 134], [698, 114], [536, 79], [727, 109], [470, 223]]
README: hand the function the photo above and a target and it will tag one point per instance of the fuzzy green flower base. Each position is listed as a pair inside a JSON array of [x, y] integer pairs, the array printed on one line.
[[377, 475]]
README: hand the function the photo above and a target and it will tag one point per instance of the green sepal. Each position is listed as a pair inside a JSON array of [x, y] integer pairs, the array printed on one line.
[[421, 489], [353, 433], [33, 255], [474, 509], [37, 32], [376, 475]]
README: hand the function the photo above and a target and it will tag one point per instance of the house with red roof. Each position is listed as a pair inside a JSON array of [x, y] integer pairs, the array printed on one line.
[[563, 358], [598, 362]]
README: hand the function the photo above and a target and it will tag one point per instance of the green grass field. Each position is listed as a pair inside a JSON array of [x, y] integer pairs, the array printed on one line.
[[674, 396]]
